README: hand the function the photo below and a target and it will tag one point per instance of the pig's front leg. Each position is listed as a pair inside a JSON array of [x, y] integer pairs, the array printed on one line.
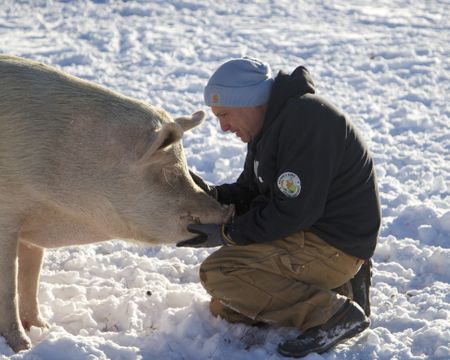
[[30, 261], [10, 326]]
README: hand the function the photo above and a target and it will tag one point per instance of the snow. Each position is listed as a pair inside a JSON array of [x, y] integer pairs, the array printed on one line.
[[386, 63]]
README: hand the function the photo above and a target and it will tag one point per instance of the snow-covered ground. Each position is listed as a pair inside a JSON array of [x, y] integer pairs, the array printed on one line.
[[385, 62]]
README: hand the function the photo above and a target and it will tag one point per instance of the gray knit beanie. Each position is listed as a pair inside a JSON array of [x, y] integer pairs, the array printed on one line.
[[244, 82]]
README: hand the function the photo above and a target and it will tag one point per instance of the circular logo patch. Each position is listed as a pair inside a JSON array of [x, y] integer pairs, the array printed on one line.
[[289, 184]]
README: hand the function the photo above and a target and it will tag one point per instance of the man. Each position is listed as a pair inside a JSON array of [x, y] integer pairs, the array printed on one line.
[[307, 211]]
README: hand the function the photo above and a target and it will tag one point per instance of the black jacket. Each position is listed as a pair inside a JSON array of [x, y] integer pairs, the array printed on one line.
[[308, 169]]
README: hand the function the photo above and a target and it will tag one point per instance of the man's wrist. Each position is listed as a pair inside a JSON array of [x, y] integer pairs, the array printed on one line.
[[227, 238]]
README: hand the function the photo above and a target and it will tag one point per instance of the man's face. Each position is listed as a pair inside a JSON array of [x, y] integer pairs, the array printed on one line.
[[245, 122]]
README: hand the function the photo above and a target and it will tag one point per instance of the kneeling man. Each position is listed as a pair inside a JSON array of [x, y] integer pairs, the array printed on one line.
[[297, 252]]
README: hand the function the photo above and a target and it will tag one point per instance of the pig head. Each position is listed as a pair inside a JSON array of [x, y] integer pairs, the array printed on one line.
[[80, 164]]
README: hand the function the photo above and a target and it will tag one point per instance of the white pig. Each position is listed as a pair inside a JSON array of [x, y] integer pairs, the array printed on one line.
[[81, 164]]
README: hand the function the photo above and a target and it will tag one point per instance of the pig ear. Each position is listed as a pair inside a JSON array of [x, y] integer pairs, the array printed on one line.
[[188, 122], [165, 136]]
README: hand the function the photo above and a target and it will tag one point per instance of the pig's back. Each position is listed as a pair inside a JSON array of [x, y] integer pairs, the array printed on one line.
[[57, 131], [51, 124]]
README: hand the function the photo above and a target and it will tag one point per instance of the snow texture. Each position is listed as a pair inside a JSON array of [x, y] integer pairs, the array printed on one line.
[[386, 63]]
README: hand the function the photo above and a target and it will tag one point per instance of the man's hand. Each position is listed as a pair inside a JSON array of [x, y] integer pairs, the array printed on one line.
[[209, 235], [209, 189]]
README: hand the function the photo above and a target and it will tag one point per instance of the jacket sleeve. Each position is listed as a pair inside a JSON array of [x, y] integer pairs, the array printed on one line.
[[309, 151]]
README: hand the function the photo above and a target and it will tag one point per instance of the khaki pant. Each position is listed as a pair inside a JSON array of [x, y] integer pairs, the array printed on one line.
[[287, 282]]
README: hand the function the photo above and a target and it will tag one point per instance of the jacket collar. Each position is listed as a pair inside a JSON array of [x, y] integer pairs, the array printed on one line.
[[284, 88]]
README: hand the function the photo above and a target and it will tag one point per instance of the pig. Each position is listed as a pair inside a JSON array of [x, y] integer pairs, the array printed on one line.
[[80, 164]]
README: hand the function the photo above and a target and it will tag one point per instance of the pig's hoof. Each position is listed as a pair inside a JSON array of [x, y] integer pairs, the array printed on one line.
[[18, 341], [38, 322]]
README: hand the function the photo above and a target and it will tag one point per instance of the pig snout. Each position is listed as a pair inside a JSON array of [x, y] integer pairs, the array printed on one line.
[[225, 214]]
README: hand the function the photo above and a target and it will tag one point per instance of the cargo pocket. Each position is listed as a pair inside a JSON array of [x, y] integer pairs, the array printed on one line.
[[313, 269]]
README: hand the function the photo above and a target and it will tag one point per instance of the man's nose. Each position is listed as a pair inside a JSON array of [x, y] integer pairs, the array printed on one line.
[[224, 125]]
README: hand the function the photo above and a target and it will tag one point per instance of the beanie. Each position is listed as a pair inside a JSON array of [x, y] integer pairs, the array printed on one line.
[[244, 82]]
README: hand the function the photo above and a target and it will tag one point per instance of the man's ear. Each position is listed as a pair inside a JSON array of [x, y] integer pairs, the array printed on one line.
[[189, 122], [162, 138]]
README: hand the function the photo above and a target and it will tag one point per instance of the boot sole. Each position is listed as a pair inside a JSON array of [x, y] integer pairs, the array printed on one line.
[[321, 349]]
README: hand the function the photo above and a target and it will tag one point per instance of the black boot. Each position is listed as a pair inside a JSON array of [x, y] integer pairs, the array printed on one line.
[[348, 321], [361, 283]]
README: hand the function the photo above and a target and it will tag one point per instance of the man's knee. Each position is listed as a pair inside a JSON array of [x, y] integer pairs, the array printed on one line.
[[204, 269], [218, 272], [211, 272]]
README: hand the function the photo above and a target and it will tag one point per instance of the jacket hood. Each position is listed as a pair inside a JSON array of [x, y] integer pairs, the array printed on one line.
[[287, 86]]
